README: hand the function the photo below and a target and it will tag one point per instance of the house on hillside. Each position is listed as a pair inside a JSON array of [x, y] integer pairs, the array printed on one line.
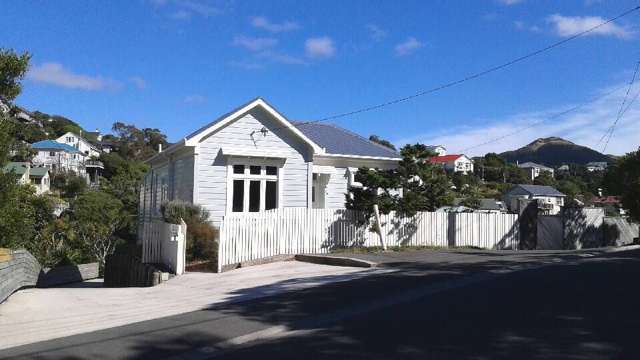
[[79, 143], [57, 157], [36, 176], [255, 159], [438, 149], [550, 200], [534, 170], [597, 166], [20, 169], [458, 163]]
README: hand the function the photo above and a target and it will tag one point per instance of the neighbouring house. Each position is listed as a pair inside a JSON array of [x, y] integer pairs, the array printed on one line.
[[255, 159], [36, 176], [455, 163], [20, 169], [550, 200], [39, 177], [438, 149], [491, 206], [563, 168], [59, 157], [79, 143], [597, 166], [534, 170], [612, 202]]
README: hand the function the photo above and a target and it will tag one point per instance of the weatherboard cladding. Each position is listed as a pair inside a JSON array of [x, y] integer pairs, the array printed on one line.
[[541, 190]]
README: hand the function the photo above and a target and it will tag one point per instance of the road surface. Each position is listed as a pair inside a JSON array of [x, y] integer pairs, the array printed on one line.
[[574, 306]]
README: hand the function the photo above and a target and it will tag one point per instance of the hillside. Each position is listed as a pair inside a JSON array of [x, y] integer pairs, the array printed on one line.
[[554, 151]]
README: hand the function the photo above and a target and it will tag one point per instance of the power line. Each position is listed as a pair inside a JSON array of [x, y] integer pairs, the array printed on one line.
[[475, 75], [551, 117], [618, 119], [621, 111]]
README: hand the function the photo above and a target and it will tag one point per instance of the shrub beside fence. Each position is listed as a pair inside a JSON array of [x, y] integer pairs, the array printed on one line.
[[289, 231]]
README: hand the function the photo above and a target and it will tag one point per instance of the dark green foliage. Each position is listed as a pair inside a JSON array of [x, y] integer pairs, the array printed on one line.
[[425, 186], [545, 178], [201, 236], [623, 178], [13, 67], [386, 143], [68, 185], [137, 144]]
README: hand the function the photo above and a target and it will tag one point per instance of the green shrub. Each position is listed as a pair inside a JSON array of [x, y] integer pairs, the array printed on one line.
[[175, 210]]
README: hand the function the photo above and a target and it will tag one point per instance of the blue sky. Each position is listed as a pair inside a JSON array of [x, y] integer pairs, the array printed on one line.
[[177, 64]]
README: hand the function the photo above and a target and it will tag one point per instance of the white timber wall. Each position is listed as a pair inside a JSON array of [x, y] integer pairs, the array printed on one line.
[[212, 170], [336, 189], [164, 243], [253, 236]]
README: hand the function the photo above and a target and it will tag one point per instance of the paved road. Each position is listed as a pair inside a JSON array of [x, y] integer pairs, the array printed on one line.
[[582, 307]]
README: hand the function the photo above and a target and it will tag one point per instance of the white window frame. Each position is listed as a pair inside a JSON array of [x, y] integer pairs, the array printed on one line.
[[246, 176]]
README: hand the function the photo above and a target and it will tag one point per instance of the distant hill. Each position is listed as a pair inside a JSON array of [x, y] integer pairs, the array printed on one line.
[[555, 151]]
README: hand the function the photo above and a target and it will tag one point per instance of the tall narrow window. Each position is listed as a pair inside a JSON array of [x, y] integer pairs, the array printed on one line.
[[254, 196], [238, 195], [271, 195]]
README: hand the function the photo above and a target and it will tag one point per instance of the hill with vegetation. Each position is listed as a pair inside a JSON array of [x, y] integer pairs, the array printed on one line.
[[555, 151]]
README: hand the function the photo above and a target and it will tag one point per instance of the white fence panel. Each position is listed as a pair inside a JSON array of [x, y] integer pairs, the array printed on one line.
[[164, 243], [289, 231]]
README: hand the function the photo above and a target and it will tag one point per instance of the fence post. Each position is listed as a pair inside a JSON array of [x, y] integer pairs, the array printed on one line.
[[220, 247]]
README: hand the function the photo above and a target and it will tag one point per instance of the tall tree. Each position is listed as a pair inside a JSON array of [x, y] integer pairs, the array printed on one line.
[[623, 178], [13, 67]]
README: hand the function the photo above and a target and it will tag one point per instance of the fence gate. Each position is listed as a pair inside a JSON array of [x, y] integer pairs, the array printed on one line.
[[550, 232]]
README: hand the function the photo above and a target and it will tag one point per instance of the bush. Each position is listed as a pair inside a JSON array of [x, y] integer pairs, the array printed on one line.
[[202, 237], [173, 211]]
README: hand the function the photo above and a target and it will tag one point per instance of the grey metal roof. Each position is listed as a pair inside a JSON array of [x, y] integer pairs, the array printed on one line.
[[541, 190], [530, 164], [337, 140]]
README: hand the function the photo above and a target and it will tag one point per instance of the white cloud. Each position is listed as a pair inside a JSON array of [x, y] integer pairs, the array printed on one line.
[[254, 44], [138, 82], [194, 99], [319, 48], [566, 26], [408, 46], [376, 33], [197, 7], [261, 22], [510, 2], [584, 126], [56, 74], [186, 9]]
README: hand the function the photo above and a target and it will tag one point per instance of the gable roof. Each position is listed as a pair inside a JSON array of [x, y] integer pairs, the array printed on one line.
[[324, 139], [19, 168], [445, 158], [339, 141], [54, 145], [539, 190], [38, 172]]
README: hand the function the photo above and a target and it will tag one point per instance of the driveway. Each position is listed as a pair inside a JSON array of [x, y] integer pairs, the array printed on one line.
[[34, 315]]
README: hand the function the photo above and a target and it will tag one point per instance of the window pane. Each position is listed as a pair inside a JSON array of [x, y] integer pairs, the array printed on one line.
[[238, 169], [271, 196], [272, 170], [254, 196], [238, 195], [254, 170]]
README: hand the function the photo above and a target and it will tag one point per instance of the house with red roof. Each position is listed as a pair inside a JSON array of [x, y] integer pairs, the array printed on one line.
[[454, 162]]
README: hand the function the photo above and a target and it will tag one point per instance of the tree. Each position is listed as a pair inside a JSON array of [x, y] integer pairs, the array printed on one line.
[[136, 144], [624, 178], [545, 178], [424, 186], [13, 67], [96, 216], [386, 143]]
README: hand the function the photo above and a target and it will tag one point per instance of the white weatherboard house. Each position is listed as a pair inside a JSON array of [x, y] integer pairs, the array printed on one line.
[[254, 159], [79, 143]]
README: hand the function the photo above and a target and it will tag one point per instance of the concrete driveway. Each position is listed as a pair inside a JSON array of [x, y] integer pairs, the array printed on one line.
[[34, 315]]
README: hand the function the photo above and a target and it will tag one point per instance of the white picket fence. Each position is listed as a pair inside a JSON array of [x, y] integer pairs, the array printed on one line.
[[289, 231]]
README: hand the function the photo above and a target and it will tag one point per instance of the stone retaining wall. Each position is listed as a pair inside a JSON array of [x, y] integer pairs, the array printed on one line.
[[18, 269], [68, 274]]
